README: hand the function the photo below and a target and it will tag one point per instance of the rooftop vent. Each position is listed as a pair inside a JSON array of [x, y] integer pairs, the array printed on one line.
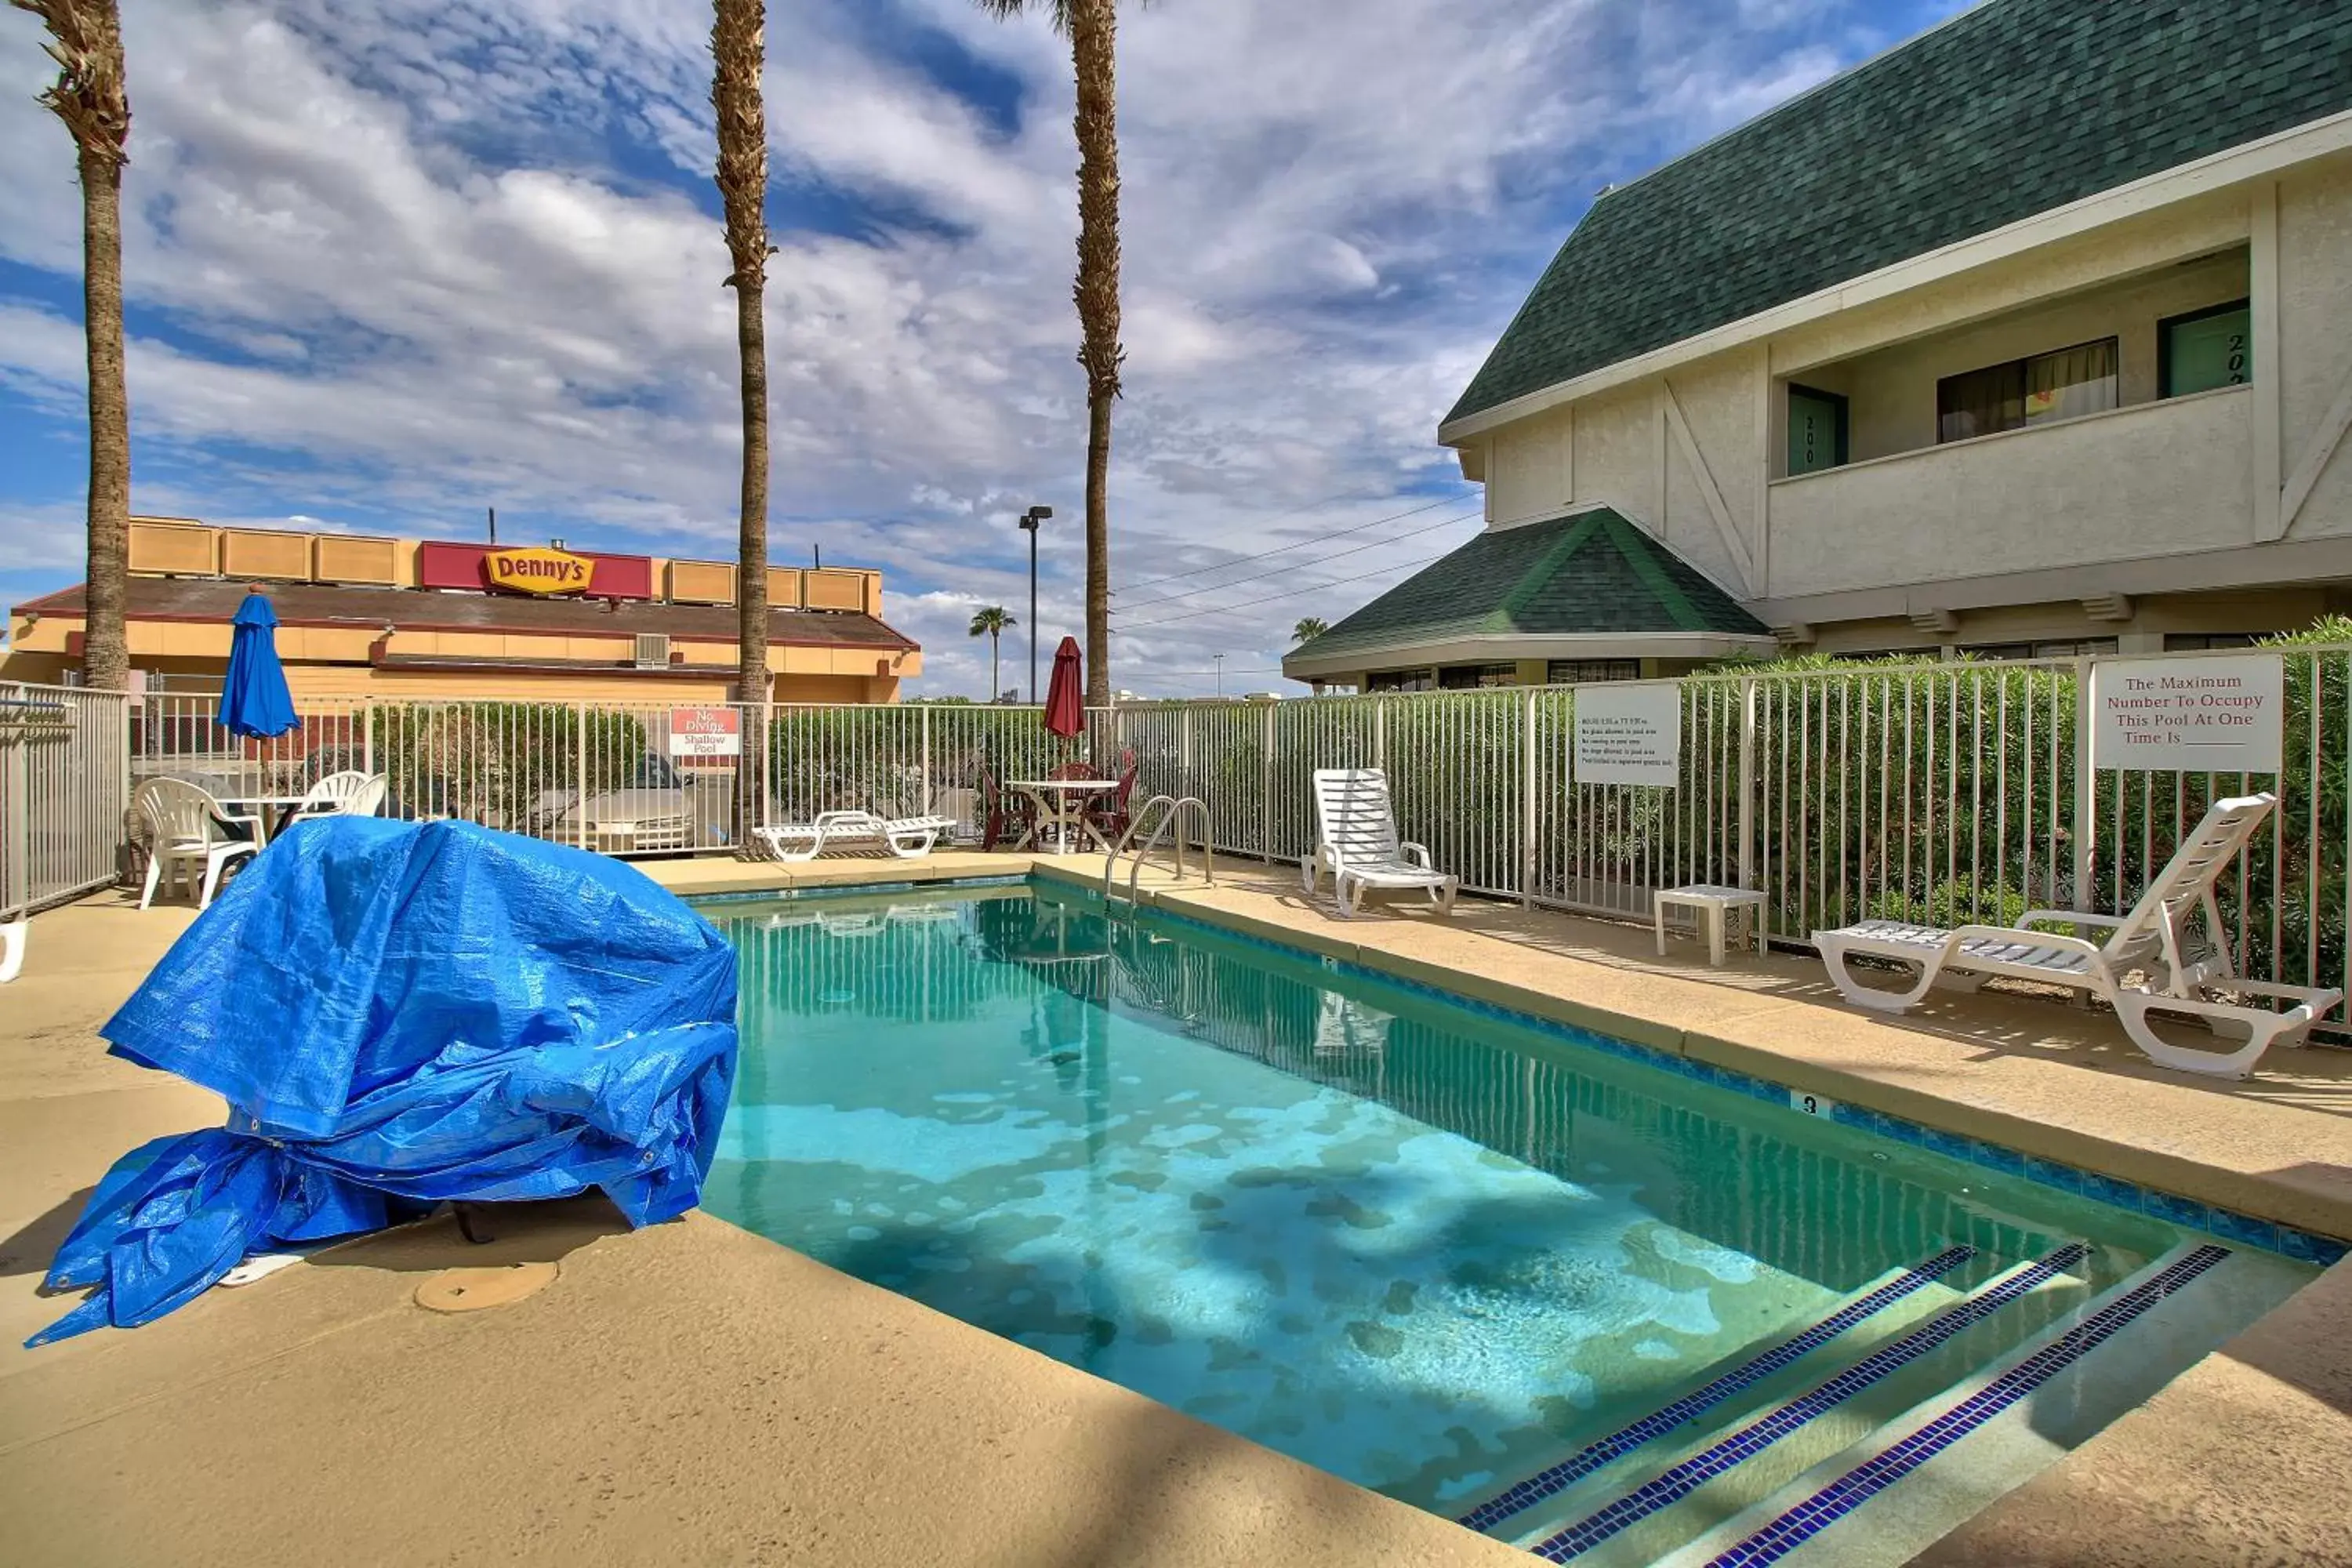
[[653, 650]]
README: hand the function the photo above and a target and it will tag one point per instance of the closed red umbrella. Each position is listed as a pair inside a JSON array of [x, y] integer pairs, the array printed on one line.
[[1066, 709]]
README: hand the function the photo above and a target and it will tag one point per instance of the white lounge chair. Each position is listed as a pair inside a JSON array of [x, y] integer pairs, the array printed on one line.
[[1358, 844], [2159, 937], [188, 827], [349, 794], [908, 837]]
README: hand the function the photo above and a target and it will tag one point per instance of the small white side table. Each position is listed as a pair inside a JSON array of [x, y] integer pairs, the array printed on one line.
[[1707, 904]]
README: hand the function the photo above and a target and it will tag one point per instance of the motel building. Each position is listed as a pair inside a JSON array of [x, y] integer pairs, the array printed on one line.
[[2028, 338], [364, 616]]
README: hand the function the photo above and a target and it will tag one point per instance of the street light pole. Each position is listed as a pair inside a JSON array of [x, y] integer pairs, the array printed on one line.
[[1029, 521], [1221, 673]]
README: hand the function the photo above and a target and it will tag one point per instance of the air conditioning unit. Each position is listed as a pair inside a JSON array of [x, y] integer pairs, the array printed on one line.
[[653, 650]]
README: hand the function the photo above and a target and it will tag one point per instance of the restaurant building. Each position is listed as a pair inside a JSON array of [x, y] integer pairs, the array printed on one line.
[[363, 615]]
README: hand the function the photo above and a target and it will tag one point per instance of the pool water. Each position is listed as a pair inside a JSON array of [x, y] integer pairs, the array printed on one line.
[[1427, 1250]]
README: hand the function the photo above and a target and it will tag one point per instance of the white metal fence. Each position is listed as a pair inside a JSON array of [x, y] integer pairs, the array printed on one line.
[[1943, 793], [62, 793], [621, 778], [1947, 794]]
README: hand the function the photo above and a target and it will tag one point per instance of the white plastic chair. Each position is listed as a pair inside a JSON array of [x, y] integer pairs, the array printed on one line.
[[1358, 844], [188, 827], [349, 794], [2156, 936]]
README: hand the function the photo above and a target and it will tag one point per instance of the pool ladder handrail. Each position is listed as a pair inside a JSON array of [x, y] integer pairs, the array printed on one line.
[[1172, 816]]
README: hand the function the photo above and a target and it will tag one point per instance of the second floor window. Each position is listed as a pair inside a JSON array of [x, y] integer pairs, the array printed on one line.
[[2041, 390]]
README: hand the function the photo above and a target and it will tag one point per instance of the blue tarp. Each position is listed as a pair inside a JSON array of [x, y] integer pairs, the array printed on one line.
[[254, 699], [399, 1014]]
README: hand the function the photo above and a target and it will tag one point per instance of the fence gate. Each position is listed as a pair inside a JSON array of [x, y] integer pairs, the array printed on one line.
[[64, 770]]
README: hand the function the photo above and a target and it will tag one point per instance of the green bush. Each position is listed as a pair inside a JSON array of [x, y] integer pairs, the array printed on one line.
[[501, 763], [1899, 788]]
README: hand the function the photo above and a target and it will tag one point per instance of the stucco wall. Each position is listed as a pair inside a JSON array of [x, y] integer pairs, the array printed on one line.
[[1527, 469], [1617, 453], [2315, 261], [2161, 479], [1717, 401]]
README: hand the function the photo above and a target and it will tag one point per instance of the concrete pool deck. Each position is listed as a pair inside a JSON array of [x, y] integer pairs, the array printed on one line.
[[690, 1391]]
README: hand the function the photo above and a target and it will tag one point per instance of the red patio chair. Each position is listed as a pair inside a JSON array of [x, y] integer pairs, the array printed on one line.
[[1109, 813], [1006, 817]]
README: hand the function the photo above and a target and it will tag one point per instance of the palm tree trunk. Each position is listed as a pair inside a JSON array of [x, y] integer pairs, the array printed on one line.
[[105, 651], [739, 53], [1094, 27], [751, 535], [90, 97], [992, 686]]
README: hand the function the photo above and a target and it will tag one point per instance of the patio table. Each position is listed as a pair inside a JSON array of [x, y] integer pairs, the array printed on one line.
[[257, 809], [1710, 904], [1062, 807]]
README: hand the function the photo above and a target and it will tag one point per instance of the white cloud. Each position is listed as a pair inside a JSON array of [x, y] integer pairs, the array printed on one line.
[[426, 258]]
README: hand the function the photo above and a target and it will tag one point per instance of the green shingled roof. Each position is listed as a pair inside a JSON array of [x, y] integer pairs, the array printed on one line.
[[1588, 571], [2012, 109]]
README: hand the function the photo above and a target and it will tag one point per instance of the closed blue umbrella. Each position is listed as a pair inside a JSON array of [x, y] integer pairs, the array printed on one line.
[[254, 699]]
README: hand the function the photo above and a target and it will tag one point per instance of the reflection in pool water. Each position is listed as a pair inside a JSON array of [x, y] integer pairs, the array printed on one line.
[[1416, 1245]]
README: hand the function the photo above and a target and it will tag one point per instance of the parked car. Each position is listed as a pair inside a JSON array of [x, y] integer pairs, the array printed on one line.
[[657, 809]]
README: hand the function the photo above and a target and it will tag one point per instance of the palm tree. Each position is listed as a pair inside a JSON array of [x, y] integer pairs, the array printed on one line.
[[738, 51], [1309, 628], [991, 623], [86, 40], [1092, 27]]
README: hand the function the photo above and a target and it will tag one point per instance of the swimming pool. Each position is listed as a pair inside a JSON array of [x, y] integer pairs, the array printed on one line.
[[1498, 1269]]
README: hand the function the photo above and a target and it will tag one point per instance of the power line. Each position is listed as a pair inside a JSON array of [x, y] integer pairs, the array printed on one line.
[[1317, 561], [1270, 598], [1312, 539], [1277, 517]]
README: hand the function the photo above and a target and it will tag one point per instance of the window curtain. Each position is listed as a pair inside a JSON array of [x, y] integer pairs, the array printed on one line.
[[2038, 390], [2071, 382], [1981, 402]]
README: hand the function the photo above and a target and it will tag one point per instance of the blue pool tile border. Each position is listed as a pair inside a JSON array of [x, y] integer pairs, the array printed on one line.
[[1687, 1477], [1874, 1475], [2189, 1214], [844, 890], [1625, 1439]]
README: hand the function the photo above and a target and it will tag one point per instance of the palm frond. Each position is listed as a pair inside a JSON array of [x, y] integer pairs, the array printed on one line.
[[739, 51], [1002, 9], [86, 41]]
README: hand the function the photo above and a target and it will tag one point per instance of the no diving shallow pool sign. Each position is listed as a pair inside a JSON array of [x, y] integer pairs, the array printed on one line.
[[2188, 715], [706, 732]]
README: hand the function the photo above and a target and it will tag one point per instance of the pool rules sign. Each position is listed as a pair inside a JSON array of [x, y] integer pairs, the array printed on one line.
[[2219, 715], [1629, 733]]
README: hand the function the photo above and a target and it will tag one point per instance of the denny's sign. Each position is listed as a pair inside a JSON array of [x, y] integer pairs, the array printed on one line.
[[446, 564], [538, 571]]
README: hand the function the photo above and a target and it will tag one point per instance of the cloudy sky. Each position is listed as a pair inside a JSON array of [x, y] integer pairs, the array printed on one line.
[[392, 261]]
